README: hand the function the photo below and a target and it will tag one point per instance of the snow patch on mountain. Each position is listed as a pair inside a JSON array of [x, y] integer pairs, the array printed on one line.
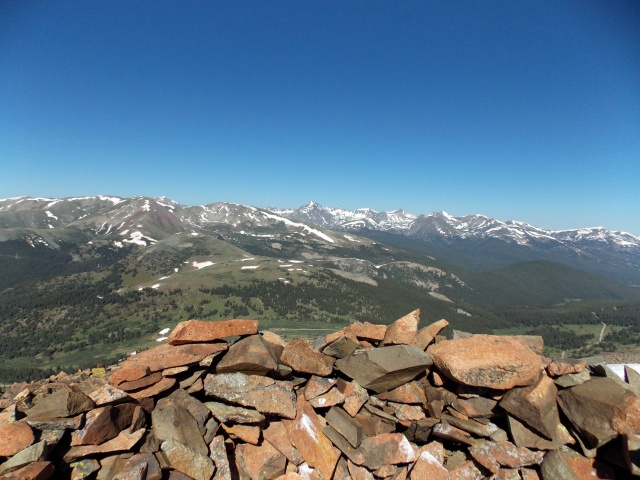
[[138, 238], [200, 265], [304, 227]]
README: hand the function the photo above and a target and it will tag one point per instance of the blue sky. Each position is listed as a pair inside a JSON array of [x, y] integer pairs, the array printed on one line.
[[518, 110]]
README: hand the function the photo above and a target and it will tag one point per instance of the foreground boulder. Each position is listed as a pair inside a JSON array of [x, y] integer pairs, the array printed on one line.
[[600, 409], [378, 407], [487, 361]]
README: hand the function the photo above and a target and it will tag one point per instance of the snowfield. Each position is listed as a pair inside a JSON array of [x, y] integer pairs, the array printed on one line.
[[138, 238], [200, 265]]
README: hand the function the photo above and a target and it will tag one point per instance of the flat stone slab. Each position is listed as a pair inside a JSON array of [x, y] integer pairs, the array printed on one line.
[[525, 436], [345, 425], [355, 397], [302, 357], [385, 368], [58, 423], [329, 399], [428, 466], [218, 453], [64, 402], [141, 383], [32, 471], [102, 424], [264, 394], [492, 455], [122, 443], [199, 331], [107, 395], [230, 413], [371, 332], [162, 386], [566, 366], [386, 449], [306, 435], [487, 361], [317, 386], [340, 348], [33, 453], [246, 433], [163, 357], [566, 464]]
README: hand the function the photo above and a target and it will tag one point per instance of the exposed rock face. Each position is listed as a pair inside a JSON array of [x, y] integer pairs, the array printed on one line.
[[487, 361], [267, 409]]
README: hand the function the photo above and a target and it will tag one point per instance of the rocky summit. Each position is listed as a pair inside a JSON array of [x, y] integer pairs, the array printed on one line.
[[222, 400]]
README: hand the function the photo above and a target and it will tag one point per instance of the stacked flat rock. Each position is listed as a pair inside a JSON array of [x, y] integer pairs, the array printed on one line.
[[222, 401]]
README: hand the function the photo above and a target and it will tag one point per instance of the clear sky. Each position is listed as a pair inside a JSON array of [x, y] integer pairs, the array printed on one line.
[[519, 110]]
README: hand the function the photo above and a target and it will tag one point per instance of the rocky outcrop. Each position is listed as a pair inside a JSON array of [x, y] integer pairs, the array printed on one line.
[[221, 401]]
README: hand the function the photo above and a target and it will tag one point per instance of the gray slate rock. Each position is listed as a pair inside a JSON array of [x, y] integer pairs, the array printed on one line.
[[385, 368], [62, 403], [173, 421]]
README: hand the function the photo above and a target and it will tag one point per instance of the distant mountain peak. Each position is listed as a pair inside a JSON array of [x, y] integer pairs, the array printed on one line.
[[114, 217]]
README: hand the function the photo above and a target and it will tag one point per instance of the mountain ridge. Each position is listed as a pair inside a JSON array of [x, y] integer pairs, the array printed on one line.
[[336, 217], [144, 220]]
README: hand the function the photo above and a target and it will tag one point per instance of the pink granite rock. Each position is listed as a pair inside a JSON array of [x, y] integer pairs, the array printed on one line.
[[487, 361], [199, 331], [300, 355], [403, 331], [306, 435], [15, 437]]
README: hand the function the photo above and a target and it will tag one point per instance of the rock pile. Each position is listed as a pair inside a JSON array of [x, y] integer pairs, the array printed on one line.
[[366, 402]]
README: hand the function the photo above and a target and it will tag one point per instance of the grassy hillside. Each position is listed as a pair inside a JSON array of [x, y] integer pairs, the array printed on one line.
[[90, 303], [99, 315]]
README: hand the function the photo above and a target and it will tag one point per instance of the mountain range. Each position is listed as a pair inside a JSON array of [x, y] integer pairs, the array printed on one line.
[[474, 241]]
